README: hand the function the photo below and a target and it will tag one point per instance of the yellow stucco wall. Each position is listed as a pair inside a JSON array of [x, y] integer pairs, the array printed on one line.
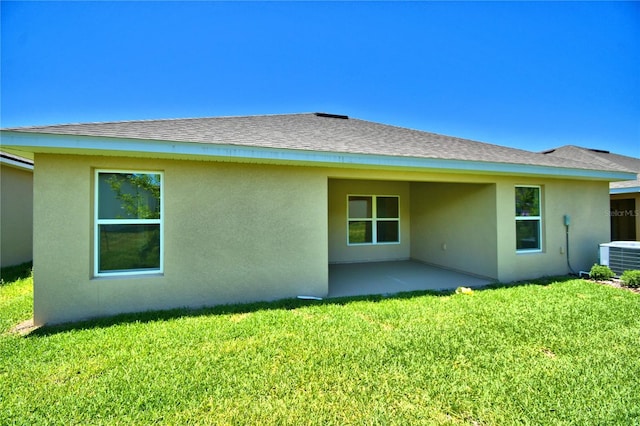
[[16, 218], [454, 225], [247, 232], [339, 250], [586, 202], [474, 217], [232, 233]]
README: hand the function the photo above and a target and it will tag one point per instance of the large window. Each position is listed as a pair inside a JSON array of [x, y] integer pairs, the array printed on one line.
[[128, 223], [528, 219], [373, 219]]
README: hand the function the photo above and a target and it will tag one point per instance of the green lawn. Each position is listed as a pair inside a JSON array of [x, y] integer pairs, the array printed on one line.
[[562, 352]]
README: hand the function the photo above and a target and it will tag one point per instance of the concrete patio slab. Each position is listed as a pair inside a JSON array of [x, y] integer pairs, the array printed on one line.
[[355, 279]]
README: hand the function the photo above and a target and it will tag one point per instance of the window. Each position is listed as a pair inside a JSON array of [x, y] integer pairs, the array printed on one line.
[[373, 219], [128, 223], [528, 219]]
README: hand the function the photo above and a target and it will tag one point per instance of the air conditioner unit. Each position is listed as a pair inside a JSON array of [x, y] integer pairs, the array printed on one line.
[[620, 256]]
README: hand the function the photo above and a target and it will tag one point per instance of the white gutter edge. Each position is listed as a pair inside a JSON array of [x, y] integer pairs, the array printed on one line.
[[628, 190], [15, 163], [36, 142]]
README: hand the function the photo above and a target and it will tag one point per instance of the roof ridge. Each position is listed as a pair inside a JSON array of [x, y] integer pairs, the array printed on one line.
[[457, 138], [597, 155], [153, 120]]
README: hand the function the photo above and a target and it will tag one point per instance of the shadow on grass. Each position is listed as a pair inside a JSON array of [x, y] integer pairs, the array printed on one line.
[[9, 274], [282, 304]]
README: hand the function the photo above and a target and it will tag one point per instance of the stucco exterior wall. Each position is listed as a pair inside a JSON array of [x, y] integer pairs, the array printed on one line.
[[232, 233], [16, 218], [586, 202], [339, 250], [474, 216], [248, 232], [454, 225]]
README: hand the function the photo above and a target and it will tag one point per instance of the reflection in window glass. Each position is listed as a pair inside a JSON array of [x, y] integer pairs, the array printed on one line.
[[128, 233], [129, 247], [528, 218], [373, 219], [360, 207], [387, 207], [528, 235], [128, 196], [360, 232], [387, 231], [527, 201]]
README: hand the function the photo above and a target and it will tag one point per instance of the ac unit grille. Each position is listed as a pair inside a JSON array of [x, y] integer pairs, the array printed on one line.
[[623, 259]]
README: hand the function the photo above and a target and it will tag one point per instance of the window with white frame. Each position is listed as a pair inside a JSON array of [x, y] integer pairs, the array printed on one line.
[[373, 219], [528, 219], [128, 222]]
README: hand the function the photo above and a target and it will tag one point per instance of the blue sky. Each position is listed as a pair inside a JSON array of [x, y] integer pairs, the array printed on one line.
[[530, 75]]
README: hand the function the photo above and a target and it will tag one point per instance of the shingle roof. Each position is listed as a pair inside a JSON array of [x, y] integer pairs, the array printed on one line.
[[313, 132], [606, 158]]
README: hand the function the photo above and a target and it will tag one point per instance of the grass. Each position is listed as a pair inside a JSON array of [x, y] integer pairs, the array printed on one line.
[[16, 296], [559, 352]]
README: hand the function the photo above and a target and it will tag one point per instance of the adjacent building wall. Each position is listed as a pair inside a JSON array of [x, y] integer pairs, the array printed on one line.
[[626, 219], [232, 233], [16, 218]]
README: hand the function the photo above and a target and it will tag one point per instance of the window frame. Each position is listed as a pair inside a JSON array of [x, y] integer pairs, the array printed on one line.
[[537, 218], [97, 222], [374, 219]]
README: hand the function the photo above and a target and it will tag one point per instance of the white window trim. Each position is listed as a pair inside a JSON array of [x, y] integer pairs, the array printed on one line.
[[97, 222], [538, 218], [374, 219]]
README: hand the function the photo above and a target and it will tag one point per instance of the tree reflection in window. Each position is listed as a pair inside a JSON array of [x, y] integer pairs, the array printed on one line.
[[128, 222], [527, 201], [528, 219]]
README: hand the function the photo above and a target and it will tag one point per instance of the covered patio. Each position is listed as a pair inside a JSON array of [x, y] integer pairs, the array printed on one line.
[[354, 279]]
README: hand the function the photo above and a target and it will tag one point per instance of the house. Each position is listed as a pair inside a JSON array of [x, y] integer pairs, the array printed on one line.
[[625, 195], [142, 215], [16, 207]]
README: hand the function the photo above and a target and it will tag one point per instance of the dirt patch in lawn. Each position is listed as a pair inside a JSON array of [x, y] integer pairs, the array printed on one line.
[[618, 284], [25, 327]]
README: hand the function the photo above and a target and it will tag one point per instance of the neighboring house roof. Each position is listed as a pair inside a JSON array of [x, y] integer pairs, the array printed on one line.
[[606, 158], [16, 161], [292, 138]]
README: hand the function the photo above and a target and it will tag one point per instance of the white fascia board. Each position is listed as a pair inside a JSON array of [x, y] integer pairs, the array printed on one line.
[[628, 190], [36, 142], [17, 164]]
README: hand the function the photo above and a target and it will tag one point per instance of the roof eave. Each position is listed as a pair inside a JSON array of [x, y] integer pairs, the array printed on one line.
[[628, 190], [16, 163], [23, 144]]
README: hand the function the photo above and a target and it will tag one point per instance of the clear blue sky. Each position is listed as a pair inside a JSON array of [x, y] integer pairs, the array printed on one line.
[[527, 75]]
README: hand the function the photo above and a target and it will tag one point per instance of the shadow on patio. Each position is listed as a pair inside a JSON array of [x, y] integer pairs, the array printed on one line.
[[355, 279]]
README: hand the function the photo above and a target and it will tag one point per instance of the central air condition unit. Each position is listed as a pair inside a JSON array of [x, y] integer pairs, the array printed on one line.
[[620, 256]]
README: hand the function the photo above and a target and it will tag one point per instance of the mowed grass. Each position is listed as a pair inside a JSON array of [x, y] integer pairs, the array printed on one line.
[[562, 352], [16, 296]]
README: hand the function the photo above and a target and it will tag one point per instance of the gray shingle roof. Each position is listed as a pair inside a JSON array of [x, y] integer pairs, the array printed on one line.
[[607, 159], [314, 132]]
